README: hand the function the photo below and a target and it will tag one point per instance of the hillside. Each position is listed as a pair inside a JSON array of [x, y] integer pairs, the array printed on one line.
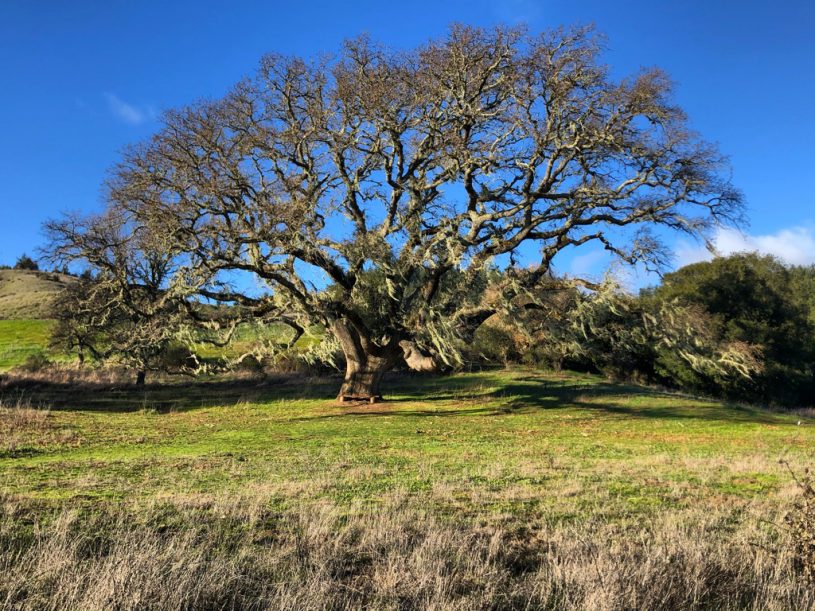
[[27, 295], [25, 302]]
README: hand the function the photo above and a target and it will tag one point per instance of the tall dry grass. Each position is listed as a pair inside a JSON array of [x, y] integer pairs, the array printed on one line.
[[236, 554], [20, 421]]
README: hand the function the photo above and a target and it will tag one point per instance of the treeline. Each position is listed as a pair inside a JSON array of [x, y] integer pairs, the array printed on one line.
[[23, 262], [739, 327], [27, 263]]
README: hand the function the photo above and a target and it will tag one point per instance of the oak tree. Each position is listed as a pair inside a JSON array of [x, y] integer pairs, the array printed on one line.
[[371, 192]]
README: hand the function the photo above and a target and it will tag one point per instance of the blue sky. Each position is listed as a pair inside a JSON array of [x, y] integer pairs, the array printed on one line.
[[83, 79]]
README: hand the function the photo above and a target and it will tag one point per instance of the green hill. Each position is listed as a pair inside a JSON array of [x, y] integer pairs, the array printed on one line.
[[19, 339], [27, 295], [25, 303]]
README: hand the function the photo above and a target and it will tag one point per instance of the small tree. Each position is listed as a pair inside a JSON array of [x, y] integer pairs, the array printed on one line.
[[128, 311], [27, 263], [372, 192]]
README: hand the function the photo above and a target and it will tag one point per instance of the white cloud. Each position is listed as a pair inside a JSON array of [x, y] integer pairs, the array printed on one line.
[[129, 113], [517, 11], [793, 245], [590, 263]]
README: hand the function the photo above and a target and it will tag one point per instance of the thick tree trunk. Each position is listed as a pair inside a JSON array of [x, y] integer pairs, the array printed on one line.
[[140, 378], [362, 381], [365, 364]]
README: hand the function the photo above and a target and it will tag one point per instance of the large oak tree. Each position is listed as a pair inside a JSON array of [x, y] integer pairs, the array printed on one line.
[[372, 191]]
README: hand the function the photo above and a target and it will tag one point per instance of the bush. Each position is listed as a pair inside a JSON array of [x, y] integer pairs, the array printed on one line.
[[754, 300], [36, 362], [176, 357], [494, 342], [801, 523]]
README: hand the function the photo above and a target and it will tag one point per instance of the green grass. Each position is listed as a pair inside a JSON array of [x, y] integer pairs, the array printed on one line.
[[471, 445], [19, 339], [25, 303], [492, 490], [251, 336], [26, 299]]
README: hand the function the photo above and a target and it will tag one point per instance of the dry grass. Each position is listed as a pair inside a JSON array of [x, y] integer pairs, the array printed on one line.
[[28, 294], [26, 426], [233, 554], [69, 375], [20, 420]]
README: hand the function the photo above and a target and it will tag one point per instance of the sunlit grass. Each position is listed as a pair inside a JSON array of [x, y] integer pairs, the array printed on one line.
[[517, 441], [19, 339]]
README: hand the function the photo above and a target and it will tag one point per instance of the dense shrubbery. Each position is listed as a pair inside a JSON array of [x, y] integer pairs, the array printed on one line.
[[754, 300], [741, 327]]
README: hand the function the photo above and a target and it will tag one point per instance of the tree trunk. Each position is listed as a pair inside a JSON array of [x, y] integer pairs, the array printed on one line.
[[365, 364], [140, 377], [362, 381]]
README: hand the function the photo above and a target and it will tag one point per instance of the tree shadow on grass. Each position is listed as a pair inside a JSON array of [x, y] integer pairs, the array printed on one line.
[[635, 402], [482, 394], [529, 394], [170, 397]]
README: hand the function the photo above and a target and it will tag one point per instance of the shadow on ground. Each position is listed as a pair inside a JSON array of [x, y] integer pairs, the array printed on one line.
[[482, 394], [167, 397]]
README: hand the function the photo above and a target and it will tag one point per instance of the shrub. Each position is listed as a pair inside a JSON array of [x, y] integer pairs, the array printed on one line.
[[495, 342], [801, 523], [36, 362], [749, 299]]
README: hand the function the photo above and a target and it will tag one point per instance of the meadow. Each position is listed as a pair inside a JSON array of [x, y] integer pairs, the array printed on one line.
[[20, 339], [499, 489]]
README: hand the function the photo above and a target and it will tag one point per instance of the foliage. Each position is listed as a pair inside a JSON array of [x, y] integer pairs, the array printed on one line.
[[611, 331], [35, 362], [753, 300]]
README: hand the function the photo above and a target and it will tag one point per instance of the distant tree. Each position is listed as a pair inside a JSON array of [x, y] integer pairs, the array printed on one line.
[[802, 280], [27, 263], [372, 192]]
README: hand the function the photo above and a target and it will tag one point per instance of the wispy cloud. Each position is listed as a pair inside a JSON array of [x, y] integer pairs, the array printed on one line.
[[129, 113], [793, 245], [589, 263], [517, 11]]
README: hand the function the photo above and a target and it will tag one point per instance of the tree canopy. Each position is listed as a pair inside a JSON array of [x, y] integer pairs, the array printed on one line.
[[750, 299], [372, 191]]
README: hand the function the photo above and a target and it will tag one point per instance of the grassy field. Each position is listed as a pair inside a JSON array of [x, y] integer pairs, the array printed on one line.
[[25, 302], [19, 339], [585, 476]]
